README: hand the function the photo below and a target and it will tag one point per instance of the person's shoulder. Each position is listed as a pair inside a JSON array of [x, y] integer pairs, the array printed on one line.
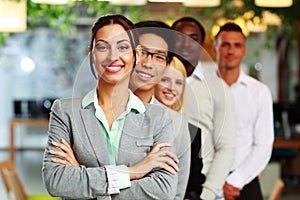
[[252, 82], [171, 112], [154, 107], [160, 108], [68, 102]]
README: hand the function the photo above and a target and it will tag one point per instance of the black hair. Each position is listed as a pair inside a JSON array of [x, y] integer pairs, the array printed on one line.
[[191, 19], [161, 29]]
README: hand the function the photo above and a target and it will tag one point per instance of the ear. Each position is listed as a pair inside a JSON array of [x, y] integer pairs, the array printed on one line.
[[214, 46], [214, 49], [91, 56], [138, 53], [89, 49]]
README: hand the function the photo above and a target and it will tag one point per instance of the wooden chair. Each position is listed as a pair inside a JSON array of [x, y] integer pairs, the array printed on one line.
[[13, 184], [271, 183], [277, 190]]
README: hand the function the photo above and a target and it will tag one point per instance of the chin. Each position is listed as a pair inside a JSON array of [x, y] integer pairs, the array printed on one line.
[[167, 103]]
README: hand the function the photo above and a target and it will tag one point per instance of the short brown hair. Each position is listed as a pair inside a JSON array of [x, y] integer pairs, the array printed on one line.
[[230, 26]]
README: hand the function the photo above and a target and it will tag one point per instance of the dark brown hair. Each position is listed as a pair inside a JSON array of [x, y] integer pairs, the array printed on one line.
[[115, 19], [230, 26]]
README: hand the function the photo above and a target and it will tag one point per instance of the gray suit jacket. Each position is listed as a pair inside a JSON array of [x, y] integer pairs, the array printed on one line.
[[183, 149], [83, 131]]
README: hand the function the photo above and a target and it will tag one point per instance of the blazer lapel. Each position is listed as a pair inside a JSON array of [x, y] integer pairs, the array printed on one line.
[[96, 136]]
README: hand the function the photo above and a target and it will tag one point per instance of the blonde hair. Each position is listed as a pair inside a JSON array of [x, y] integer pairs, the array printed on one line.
[[178, 65]]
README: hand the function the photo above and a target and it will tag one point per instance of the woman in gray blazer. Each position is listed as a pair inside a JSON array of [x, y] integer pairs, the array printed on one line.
[[108, 144]]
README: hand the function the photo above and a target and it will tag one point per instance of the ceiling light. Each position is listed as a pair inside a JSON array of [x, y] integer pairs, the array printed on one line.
[[202, 3], [128, 2], [167, 1], [13, 20], [60, 2], [27, 64], [274, 3]]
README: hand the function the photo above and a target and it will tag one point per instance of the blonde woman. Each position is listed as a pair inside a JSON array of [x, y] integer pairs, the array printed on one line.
[[170, 90]]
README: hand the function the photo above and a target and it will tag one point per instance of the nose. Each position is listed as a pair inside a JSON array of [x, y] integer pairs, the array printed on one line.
[[113, 54], [172, 86], [147, 61], [168, 85], [147, 65], [231, 49], [186, 41]]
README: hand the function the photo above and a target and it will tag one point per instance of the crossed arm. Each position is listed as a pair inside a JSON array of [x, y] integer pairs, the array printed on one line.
[[156, 158], [74, 171]]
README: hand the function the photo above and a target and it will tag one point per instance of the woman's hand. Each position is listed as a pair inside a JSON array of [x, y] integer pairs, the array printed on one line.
[[157, 158], [67, 155]]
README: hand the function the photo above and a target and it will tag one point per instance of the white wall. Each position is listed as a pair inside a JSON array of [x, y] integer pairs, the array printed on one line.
[[258, 53], [50, 79]]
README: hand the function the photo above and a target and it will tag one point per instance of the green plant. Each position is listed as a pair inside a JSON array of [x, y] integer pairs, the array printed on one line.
[[62, 18]]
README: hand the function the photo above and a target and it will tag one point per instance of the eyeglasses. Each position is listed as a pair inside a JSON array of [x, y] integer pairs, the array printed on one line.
[[156, 57]]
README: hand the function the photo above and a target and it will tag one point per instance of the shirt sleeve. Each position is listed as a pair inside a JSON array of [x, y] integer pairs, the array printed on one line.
[[118, 178], [263, 138], [223, 135]]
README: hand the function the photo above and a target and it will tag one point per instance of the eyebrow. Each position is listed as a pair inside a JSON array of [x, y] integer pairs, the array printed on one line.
[[155, 50], [194, 35], [124, 40], [118, 42], [102, 41]]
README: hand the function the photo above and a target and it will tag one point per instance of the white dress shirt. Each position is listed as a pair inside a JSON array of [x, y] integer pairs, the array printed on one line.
[[255, 131]]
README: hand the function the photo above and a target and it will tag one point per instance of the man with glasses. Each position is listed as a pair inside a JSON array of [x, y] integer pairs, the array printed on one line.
[[154, 60], [156, 45]]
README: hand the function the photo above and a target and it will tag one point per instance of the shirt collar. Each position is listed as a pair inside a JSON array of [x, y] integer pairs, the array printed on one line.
[[197, 73], [242, 79], [134, 102], [152, 100]]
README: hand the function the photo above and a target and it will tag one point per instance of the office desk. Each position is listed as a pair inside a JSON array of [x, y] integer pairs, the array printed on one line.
[[281, 143], [289, 157], [23, 122]]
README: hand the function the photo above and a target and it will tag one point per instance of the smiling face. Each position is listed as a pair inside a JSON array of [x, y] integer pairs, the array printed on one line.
[[152, 64], [171, 87], [187, 43], [112, 54]]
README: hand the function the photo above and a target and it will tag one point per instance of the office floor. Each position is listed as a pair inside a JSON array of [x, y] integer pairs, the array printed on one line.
[[29, 164]]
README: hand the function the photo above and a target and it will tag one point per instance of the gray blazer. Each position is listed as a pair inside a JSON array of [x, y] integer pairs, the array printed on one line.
[[83, 131], [182, 144]]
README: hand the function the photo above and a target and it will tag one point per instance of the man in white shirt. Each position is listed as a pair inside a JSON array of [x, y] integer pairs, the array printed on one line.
[[253, 105], [209, 105]]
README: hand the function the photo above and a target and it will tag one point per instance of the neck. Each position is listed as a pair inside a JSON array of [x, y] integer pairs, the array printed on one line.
[[145, 96], [112, 95], [190, 67], [230, 76]]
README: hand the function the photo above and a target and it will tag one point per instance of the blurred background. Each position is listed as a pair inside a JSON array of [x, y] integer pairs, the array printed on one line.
[[43, 44]]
